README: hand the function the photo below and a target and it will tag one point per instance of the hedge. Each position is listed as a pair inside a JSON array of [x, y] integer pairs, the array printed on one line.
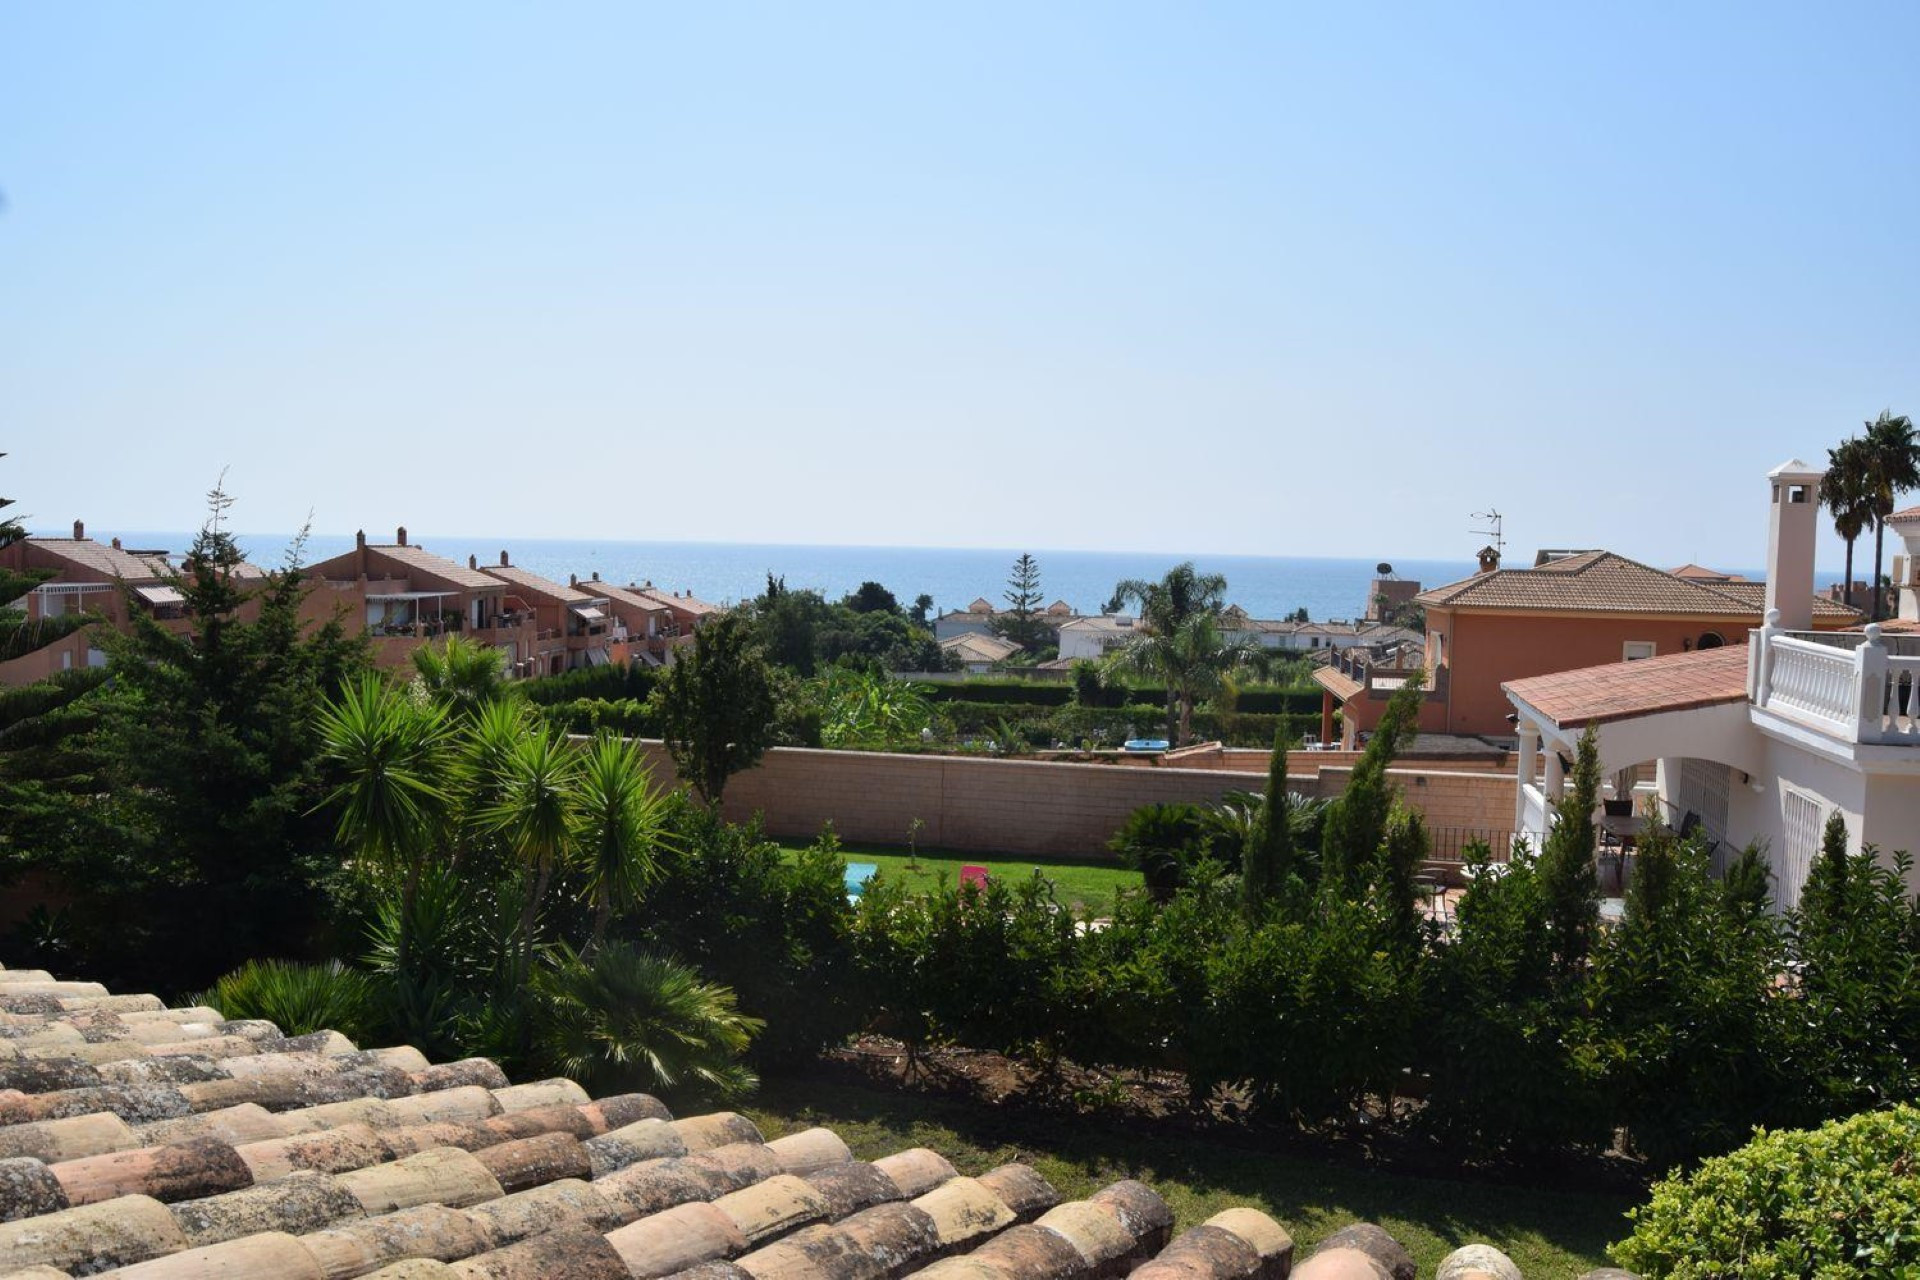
[[1009, 693], [1840, 1200]]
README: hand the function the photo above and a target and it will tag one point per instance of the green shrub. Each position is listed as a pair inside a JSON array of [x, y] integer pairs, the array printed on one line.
[[618, 1019], [616, 682], [1164, 841], [1840, 1200], [299, 998], [588, 716]]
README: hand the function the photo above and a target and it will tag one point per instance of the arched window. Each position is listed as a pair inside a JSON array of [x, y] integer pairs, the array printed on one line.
[[1710, 640]]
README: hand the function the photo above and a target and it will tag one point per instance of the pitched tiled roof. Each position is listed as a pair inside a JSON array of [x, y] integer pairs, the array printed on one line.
[[629, 597], [533, 582], [1909, 513], [419, 558], [1589, 582], [104, 558], [1754, 596], [165, 1143], [1621, 690], [1700, 573], [684, 603], [979, 648]]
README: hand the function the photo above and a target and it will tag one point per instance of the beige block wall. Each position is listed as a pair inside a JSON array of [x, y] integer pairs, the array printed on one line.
[[982, 805]]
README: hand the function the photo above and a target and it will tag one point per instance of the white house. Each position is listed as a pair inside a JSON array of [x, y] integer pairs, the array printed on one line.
[[1761, 742], [1096, 637]]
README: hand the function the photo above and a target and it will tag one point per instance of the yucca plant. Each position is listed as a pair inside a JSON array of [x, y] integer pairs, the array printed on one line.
[[299, 998], [535, 814], [391, 752], [461, 674], [622, 1019], [619, 823]]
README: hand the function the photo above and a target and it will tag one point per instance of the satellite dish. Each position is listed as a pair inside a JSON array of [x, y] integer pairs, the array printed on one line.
[[1383, 568]]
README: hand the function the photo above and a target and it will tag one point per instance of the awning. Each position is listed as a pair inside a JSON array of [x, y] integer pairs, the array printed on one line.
[[409, 595], [588, 613], [159, 595]]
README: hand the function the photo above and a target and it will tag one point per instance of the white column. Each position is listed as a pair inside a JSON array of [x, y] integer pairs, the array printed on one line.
[[1529, 745], [1556, 778]]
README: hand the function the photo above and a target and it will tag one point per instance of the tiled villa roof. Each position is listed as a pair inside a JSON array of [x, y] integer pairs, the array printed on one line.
[[978, 648], [421, 560], [628, 596], [170, 1144], [104, 558], [673, 600], [1623, 690], [1754, 596], [1590, 582], [529, 581]]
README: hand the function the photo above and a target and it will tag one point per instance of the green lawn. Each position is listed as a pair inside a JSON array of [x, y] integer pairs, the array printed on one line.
[[1087, 885], [1548, 1233]]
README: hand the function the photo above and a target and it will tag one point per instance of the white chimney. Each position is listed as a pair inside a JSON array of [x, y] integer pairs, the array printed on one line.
[[1793, 526]]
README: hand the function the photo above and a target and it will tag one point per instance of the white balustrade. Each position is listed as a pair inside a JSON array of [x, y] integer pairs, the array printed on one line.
[[1812, 679], [1847, 684]]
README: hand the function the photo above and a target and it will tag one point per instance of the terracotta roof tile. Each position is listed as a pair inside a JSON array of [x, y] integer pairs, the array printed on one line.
[[170, 1142], [1754, 596], [529, 581], [104, 558], [1591, 582], [973, 647], [1622, 690]]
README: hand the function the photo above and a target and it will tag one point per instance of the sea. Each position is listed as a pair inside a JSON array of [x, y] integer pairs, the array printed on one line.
[[728, 572]]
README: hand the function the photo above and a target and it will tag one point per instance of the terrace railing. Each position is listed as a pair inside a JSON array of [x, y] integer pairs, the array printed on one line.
[[1852, 685]]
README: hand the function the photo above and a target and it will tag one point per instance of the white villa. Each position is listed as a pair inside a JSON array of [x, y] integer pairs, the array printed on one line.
[[1761, 742]]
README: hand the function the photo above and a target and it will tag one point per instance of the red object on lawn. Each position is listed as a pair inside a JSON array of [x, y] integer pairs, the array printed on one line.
[[975, 876]]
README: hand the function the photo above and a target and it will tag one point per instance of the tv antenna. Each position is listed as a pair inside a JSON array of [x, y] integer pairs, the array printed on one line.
[[1492, 519]]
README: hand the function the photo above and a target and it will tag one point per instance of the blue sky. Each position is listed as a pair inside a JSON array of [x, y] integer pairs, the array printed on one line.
[[1258, 279]]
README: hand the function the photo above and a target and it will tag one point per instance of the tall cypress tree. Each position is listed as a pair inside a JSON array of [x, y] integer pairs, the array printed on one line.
[[1568, 878], [1268, 857]]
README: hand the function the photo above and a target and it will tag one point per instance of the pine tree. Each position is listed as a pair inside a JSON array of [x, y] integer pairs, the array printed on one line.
[[1021, 622], [717, 703]]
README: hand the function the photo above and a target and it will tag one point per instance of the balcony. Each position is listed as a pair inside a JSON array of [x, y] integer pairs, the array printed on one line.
[[1861, 687]]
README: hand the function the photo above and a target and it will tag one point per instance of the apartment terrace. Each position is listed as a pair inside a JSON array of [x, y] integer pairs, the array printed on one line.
[[1857, 688]]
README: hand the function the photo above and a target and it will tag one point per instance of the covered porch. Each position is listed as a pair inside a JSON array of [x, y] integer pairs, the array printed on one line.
[[1676, 747]]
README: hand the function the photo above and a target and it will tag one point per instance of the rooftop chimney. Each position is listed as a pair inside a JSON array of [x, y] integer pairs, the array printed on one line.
[[79, 530], [116, 544], [573, 579], [504, 562], [1489, 559], [1793, 525], [359, 539], [473, 562], [596, 575], [400, 535]]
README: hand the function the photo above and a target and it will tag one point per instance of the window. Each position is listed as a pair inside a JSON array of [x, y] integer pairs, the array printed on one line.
[[1802, 814], [1710, 640], [1635, 650]]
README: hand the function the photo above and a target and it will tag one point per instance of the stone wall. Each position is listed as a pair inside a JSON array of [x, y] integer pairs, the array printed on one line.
[[976, 804]]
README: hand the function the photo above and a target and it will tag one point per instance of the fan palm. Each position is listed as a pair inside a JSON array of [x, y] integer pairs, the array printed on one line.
[[1843, 492], [620, 1019], [1890, 466], [535, 815], [619, 823], [464, 674]]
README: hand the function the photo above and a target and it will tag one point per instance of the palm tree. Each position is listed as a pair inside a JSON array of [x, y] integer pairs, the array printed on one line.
[[1193, 658], [394, 798], [1168, 604], [619, 822], [621, 1019], [1890, 467], [463, 673], [1843, 492], [535, 813]]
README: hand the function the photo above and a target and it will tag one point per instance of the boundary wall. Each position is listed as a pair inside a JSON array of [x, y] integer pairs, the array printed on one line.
[[979, 804]]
